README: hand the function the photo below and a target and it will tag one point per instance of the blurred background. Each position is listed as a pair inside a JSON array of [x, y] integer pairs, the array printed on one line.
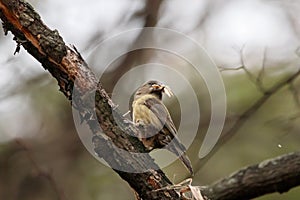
[[254, 43]]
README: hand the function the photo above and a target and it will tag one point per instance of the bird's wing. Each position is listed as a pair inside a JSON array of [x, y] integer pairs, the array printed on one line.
[[162, 113], [169, 131], [168, 127]]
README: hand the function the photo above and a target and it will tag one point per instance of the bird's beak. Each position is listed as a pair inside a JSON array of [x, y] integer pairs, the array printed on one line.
[[164, 88], [157, 87]]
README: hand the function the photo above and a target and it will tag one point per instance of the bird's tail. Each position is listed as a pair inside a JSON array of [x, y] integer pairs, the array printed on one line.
[[186, 161], [179, 150]]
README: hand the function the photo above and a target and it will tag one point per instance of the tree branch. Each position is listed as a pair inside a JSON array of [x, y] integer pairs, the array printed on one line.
[[67, 66], [275, 175], [242, 119]]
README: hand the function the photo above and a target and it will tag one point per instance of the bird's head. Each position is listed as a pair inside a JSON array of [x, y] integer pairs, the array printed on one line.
[[155, 88]]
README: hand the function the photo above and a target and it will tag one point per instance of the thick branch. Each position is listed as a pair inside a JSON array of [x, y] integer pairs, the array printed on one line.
[[275, 175], [67, 66]]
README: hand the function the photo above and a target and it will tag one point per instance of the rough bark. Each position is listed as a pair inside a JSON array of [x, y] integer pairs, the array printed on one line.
[[274, 175], [67, 67]]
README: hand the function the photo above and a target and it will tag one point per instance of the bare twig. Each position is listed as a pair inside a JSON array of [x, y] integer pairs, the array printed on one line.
[[257, 80], [262, 71], [66, 65], [249, 112], [295, 93], [230, 68], [267, 93]]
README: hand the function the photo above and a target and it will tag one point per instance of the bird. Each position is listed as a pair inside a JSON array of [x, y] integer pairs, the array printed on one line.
[[153, 118]]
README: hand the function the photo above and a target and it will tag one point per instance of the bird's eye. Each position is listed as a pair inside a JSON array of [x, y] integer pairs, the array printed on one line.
[[150, 83]]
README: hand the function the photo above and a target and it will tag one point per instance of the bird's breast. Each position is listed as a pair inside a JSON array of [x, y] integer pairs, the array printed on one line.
[[143, 114]]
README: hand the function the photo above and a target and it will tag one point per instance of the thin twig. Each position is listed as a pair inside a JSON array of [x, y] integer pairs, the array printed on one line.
[[257, 80], [295, 94], [268, 93], [245, 116], [262, 71]]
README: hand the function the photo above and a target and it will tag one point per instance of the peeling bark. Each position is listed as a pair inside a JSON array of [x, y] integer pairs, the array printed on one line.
[[110, 130]]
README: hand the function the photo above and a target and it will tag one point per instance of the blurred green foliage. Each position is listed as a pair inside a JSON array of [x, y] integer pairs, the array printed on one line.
[[52, 162]]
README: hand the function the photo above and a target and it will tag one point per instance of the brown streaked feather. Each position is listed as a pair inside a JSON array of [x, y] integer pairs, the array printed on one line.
[[168, 130], [161, 112], [153, 117]]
